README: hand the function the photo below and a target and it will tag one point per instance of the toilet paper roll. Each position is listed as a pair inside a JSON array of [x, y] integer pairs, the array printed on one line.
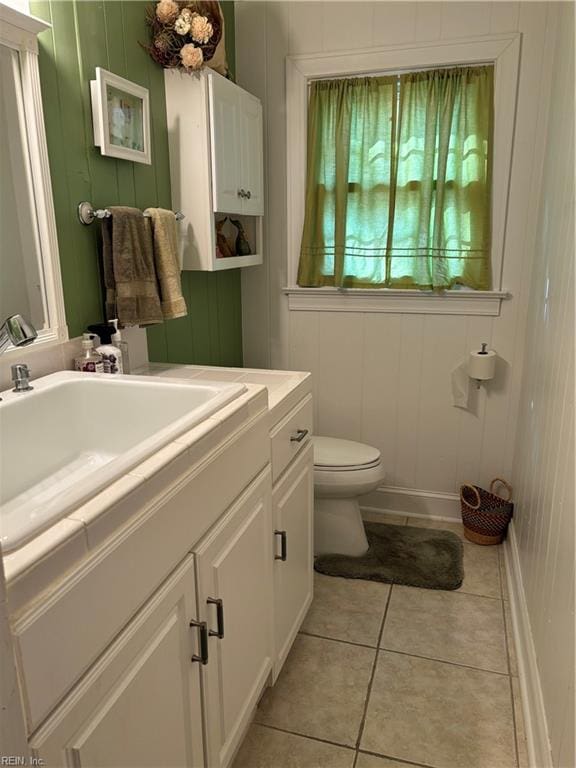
[[481, 366]]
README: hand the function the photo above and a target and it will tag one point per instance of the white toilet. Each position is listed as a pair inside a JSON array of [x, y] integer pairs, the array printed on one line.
[[343, 471]]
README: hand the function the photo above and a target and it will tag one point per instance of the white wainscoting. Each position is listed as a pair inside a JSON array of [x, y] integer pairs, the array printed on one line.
[[544, 457], [534, 712], [385, 378]]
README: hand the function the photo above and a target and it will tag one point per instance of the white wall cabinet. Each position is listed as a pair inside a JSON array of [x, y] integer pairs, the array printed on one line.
[[236, 148], [140, 704], [234, 566], [292, 512], [216, 164]]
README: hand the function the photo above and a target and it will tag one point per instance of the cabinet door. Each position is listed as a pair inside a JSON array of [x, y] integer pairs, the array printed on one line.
[[234, 565], [226, 143], [293, 509], [252, 154], [140, 704]]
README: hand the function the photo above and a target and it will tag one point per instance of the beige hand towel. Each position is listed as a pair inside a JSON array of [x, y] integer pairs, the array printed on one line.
[[165, 238], [129, 271]]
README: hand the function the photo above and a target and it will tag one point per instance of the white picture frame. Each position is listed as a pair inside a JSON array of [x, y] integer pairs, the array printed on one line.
[[121, 117]]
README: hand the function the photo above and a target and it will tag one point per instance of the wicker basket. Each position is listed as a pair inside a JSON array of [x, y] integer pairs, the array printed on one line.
[[484, 514]]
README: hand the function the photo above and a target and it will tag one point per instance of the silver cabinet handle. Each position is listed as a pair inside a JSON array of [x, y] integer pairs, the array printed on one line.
[[219, 633], [283, 546], [299, 436], [203, 634]]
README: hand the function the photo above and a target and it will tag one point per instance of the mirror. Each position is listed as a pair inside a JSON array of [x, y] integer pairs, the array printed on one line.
[[22, 284], [30, 282]]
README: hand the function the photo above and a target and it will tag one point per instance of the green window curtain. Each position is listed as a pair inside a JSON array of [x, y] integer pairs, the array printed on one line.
[[398, 181]]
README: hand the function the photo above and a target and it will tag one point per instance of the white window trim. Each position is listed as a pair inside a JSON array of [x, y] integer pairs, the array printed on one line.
[[501, 50]]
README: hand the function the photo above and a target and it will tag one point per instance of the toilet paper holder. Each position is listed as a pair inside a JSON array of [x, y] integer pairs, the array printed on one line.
[[482, 365]]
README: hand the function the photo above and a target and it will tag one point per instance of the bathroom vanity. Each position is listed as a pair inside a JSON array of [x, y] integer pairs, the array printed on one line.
[[148, 621]]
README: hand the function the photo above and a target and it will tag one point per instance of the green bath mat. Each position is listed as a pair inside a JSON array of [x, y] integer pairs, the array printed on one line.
[[398, 554]]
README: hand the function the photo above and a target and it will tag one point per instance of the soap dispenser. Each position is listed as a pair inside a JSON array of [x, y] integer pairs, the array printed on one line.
[[111, 355], [122, 345], [90, 361]]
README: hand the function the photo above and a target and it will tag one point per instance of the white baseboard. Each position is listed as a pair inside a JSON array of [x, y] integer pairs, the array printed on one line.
[[538, 743], [413, 502]]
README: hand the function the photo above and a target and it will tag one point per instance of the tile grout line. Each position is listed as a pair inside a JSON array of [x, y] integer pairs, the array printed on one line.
[[305, 736], [372, 675], [338, 640], [444, 661], [396, 759]]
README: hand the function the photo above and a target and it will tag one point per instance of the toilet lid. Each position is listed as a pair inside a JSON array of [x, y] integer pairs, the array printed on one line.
[[335, 453]]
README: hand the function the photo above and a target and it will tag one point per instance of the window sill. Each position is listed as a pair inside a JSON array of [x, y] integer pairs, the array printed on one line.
[[485, 303]]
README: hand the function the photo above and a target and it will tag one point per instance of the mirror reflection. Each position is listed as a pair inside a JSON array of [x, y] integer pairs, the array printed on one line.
[[22, 288]]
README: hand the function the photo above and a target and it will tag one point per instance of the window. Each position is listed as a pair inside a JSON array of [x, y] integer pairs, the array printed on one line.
[[398, 185]]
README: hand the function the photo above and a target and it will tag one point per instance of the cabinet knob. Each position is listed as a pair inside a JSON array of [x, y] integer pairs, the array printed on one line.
[[242, 193], [219, 633], [299, 436], [248, 194], [283, 546], [203, 638]]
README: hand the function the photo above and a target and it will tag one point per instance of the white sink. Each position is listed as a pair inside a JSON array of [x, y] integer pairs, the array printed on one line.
[[76, 433]]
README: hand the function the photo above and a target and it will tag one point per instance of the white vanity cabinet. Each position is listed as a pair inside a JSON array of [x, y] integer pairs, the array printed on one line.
[[292, 510], [155, 646], [292, 506], [234, 566], [216, 166], [140, 704]]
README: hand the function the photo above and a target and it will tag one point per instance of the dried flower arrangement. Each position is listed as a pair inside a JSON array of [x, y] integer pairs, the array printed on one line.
[[184, 35]]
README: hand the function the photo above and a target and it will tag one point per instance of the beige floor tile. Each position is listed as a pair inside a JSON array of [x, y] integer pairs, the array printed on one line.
[[423, 522], [372, 761], [267, 748], [510, 638], [377, 517], [481, 571], [347, 609], [321, 690], [464, 629], [439, 714], [520, 730]]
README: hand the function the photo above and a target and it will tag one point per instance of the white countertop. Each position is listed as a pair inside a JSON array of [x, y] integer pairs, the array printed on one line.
[[285, 388]]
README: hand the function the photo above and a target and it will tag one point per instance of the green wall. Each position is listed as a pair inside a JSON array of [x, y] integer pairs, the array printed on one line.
[[86, 34]]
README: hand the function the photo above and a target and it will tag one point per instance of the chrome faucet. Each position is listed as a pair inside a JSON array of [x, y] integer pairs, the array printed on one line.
[[21, 378], [17, 331]]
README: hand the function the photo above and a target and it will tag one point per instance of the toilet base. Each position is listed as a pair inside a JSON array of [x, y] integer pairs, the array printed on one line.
[[338, 528]]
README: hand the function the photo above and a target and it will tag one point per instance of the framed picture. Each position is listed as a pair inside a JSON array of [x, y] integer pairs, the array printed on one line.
[[121, 117]]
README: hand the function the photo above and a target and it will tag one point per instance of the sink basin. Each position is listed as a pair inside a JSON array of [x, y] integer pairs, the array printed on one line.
[[76, 433]]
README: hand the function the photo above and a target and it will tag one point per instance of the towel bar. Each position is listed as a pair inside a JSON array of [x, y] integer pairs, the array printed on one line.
[[87, 213]]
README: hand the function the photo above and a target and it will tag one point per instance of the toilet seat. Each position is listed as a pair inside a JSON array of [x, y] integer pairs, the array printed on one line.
[[335, 455]]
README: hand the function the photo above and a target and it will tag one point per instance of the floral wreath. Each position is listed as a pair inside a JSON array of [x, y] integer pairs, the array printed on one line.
[[184, 35]]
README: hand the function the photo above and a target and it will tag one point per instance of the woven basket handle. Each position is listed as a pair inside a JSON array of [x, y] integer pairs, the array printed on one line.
[[475, 491], [505, 484]]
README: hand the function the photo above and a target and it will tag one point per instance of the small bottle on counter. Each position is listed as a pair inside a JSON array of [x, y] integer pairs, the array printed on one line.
[[111, 355], [90, 361], [122, 345]]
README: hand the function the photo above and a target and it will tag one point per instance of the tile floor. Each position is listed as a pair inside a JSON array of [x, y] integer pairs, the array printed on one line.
[[387, 676]]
